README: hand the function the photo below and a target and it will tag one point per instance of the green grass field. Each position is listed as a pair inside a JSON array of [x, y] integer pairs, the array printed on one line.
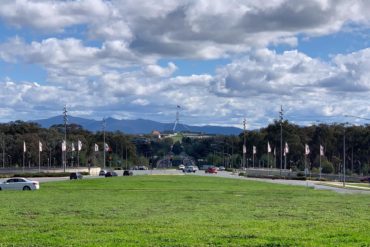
[[181, 211]]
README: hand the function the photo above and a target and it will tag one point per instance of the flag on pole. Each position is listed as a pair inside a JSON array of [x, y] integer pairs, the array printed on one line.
[[106, 147], [254, 150], [286, 149], [268, 147], [96, 147], [40, 146], [275, 151], [307, 150], [24, 147], [79, 145], [321, 150], [64, 146], [244, 149], [73, 147]]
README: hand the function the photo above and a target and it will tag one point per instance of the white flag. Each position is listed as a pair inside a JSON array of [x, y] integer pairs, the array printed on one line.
[[64, 146], [254, 150], [321, 150], [268, 147], [73, 147], [106, 147], [40, 146], [307, 150], [244, 149], [286, 149], [79, 145], [24, 147], [96, 147]]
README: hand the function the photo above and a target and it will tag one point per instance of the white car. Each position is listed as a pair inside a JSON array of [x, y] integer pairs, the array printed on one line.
[[19, 184], [181, 167], [191, 169]]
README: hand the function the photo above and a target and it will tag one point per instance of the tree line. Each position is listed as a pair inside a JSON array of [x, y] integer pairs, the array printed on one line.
[[129, 150]]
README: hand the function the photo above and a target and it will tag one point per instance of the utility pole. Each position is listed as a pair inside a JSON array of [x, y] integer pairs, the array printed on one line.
[[281, 115], [65, 118], [104, 126], [244, 147]]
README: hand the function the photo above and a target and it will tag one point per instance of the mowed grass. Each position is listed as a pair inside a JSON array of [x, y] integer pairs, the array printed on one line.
[[181, 211]]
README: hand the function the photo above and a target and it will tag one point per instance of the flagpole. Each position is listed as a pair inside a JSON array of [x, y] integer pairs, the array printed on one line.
[[104, 142], [23, 156], [285, 161], [253, 159], [78, 158], [320, 165], [39, 159]]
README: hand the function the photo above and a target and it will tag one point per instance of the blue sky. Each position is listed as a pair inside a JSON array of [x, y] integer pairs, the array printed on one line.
[[221, 61]]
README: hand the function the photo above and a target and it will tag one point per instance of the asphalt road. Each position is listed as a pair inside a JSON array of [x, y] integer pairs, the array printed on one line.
[[224, 174]]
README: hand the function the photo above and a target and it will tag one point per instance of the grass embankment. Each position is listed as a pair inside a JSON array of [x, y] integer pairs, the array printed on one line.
[[181, 211]]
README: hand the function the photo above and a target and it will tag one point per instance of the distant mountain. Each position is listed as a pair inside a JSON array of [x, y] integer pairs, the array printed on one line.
[[138, 126]]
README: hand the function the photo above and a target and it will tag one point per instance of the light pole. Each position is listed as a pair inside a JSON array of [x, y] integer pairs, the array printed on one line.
[[65, 137], [281, 114], [104, 126]]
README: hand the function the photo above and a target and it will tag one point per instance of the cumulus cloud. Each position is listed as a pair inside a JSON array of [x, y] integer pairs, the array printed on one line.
[[112, 64], [157, 70]]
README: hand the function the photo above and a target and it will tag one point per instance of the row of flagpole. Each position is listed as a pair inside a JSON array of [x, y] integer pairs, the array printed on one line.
[[285, 153], [64, 149]]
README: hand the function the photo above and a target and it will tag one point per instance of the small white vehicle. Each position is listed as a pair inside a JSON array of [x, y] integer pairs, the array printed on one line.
[[191, 169], [181, 167], [19, 184]]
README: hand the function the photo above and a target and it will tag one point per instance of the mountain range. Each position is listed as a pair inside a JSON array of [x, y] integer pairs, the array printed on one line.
[[138, 126]]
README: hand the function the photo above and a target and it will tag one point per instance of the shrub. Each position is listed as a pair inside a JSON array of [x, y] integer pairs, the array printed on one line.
[[327, 167]]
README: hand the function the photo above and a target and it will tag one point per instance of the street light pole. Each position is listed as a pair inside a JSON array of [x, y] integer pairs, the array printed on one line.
[[244, 147], [281, 113], [104, 126], [65, 137], [344, 156]]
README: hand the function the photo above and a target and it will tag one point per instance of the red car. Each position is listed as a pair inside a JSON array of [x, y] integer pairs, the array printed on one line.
[[211, 170]]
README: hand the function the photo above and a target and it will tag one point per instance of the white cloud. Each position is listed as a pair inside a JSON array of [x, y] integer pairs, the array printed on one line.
[[102, 56], [157, 70]]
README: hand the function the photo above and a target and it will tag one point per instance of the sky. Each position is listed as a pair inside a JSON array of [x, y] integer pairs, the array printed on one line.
[[221, 61]]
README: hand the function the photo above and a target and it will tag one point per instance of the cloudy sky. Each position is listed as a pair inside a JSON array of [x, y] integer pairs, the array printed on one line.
[[220, 61]]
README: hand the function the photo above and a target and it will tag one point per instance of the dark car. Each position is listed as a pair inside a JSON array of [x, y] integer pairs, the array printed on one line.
[[127, 173], [365, 179], [211, 170], [111, 174], [75, 175]]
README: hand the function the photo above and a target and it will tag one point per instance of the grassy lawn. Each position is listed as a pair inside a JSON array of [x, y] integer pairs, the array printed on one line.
[[181, 211]]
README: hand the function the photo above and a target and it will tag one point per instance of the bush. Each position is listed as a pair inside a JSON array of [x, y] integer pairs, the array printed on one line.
[[242, 174], [327, 167], [300, 174]]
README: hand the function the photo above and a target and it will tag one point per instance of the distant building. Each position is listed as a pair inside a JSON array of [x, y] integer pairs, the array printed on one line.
[[156, 134]]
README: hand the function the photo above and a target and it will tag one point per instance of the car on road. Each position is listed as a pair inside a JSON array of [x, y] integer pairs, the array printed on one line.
[[75, 175], [127, 173], [211, 170], [111, 174], [365, 179], [181, 167], [143, 168], [19, 184], [189, 169], [221, 168], [102, 172]]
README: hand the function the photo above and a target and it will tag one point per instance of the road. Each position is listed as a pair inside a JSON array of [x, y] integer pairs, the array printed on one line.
[[224, 174]]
